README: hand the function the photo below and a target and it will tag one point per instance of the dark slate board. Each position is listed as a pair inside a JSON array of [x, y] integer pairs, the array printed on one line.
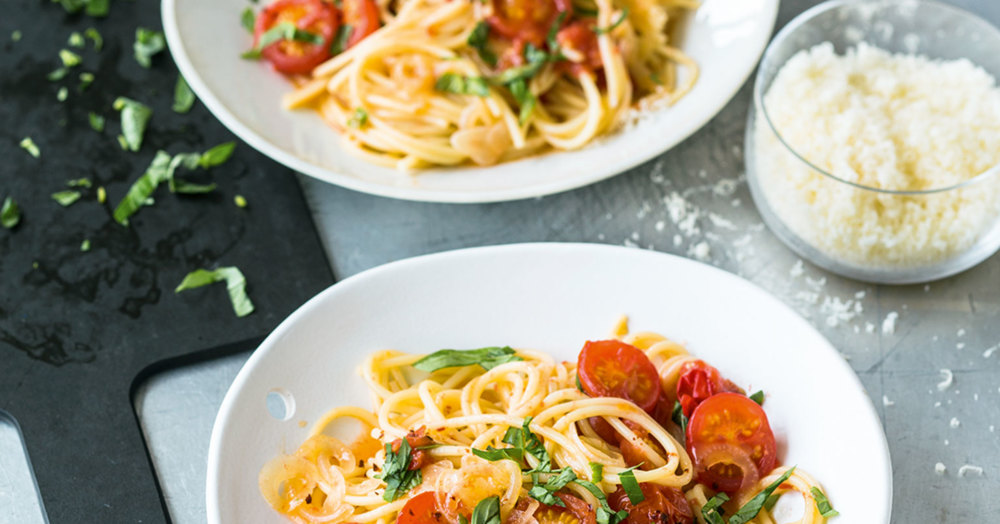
[[78, 330]]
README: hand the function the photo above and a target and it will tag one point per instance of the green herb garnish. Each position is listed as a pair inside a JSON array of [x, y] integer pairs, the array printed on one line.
[[462, 85], [28, 145], [488, 358], [76, 40], [621, 19], [85, 245], [66, 198], [85, 80], [631, 485], [96, 121], [134, 117], [62, 94], [79, 182], [16, 35], [248, 19], [677, 415], [216, 155], [479, 40], [495, 454], [358, 119], [712, 510], [69, 58], [823, 503], [758, 397], [605, 515], [183, 96], [596, 471], [58, 74], [240, 201], [236, 284], [753, 507], [398, 476], [487, 511], [10, 213], [98, 8], [282, 31], [545, 493], [147, 44], [339, 43], [95, 36]]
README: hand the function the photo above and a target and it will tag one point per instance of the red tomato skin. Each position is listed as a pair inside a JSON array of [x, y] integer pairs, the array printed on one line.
[[635, 377], [580, 37], [363, 17], [527, 20], [698, 381], [739, 413], [662, 505], [320, 17], [421, 509]]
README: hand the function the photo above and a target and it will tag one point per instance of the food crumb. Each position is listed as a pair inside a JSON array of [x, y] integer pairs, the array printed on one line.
[[700, 251], [954, 422], [939, 468], [948, 378], [889, 323], [797, 269], [886, 402], [969, 469]]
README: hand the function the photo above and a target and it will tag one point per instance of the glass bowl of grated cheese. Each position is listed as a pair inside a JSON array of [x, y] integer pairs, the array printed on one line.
[[873, 143]]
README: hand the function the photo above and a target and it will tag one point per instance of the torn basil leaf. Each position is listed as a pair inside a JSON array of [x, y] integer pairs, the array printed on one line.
[[95, 36], [69, 58], [462, 85], [758, 397], [545, 493], [754, 505], [596, 471], [358, 119], [66, 198], [10, 213], [823, 503], [495, 454], [79, 182], [282, 31], [679, 418], [216, 155], [605, 515], [712, 510], [487, 511], [479, 40], [96, 121], [98, 8], [85, 245], [134, 118], [236, 284], [147, 44], [396, 472], [248, 19], [488, 358], [631, 486], [29, 145], [339, 43], [621, 19], [183, 96]]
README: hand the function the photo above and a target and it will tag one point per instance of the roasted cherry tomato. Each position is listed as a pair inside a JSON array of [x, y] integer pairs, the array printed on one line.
[[662, 505], [421, 509], [612, 368], [579, 38], [416, 439], [363, 17], [632, 452], [292, 56], [697, 382], [724, 432], [576, 511], [528, 20]]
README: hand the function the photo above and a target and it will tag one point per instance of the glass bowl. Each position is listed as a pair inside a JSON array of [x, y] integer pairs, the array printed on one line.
[[842, 225]]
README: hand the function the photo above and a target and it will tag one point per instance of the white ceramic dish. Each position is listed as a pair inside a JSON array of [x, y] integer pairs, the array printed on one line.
[[550, 297], [726, 38]]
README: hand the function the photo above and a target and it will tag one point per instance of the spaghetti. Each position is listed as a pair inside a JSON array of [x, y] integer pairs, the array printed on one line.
[[447, 82], [526, 433]]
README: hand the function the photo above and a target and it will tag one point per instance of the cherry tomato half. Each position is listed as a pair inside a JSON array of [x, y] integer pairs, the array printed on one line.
[[363, 17], [697, 382], [662, 505], [527, 20], [723, 432], [292, 56], [612, 368], [580, 38], [421, 509]]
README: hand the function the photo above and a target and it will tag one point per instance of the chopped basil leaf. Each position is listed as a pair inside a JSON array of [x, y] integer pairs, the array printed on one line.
[[631, 486], [28, 145], [96, 121], [679, 418], [712, 512], [524, 438], [183, 96], [66, 198], [76, 40], [216, 155], [823, 503], [147, 44], [596, 471], [62, 94], [339, 43], [236, 284], [553, 31], [656, 79], [462, 85], [69, 58], [536, 59], [479, 40], [524, 98], [282, 31], [487, 511], [142, 188], [85, 245], [134, 117], [16, 35], [72, 6], [10, 213], [462, 519], [98, 7], [754, 505], [494, 454], [79, 182], [358, 119], [95, 36], [545, 493], [85, 80], [578, 384], [248, 19], [396, 472], [621, 18], [102, 195], [488, 358], [240, 201], [605, 515], [58, 74], [758, 397]]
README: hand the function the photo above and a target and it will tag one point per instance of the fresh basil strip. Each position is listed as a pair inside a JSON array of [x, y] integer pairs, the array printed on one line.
[[85, 80], [66, 198], [358, 119], [76, 40], [248, 19], [29, 145], [85, 245], [69, 58], [678, 417], [72, 6], [462, 85], [754, 505], [605, 515], [758, 397], [771, 501], [79, 182], [823, 503], [282, 31], [711, 511], [96, 121], [10, 213], [525, 439], [631, 486], [525, 99], [134, 118], [596, 471], [95, 36], [553, 31], [236, 284], [216, 155], [62, 94], [15, 35], [183, 96], [58, 74], [545, 493], [494, 454], [147, 44], [488, 358], [396, 472], [98, 8], [339, 43], [535, 57], [487, 511], [621, 19], [240, 201], [479, 40]]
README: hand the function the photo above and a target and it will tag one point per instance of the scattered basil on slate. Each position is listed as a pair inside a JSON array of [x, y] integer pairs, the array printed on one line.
[[147, 44], [134, 118], [10, 213], [236, 284]]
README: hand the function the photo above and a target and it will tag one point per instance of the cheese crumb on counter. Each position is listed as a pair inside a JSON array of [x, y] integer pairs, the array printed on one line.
[[891, 122], [939, 468]]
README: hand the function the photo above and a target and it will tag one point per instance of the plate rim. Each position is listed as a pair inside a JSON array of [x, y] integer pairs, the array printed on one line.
[[229, 120], [226, 409]]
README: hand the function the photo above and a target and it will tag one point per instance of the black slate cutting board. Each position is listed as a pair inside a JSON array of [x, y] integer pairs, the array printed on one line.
[[78, 330]]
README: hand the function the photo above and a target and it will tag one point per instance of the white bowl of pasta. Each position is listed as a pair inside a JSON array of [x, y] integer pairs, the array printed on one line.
[[525, 433], [450, 101]]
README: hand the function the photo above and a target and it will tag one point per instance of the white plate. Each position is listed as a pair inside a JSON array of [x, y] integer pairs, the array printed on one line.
[[551, 297], [725, 37]]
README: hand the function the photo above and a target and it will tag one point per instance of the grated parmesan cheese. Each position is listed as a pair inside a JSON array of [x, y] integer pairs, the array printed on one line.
[[886, 121]]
